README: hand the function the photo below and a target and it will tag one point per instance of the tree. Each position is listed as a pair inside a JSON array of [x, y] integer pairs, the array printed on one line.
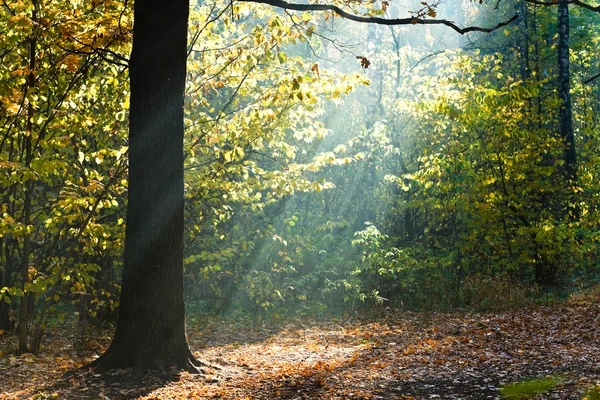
[[566, 132], [564, 93], [150, 329], [60, 195]]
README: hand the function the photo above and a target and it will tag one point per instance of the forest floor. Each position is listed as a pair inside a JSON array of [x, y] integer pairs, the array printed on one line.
[[396, 355]]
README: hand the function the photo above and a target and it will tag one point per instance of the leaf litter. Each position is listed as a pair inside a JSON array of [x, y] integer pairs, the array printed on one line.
[[542, 352]]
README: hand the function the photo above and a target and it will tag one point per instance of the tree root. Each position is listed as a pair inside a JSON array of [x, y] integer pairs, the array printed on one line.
[[192, 366], [198, 362], [186, 362]]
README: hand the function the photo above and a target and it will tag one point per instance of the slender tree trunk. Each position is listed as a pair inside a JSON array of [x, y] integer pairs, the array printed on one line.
[[564, 93], [6, 281], [150, 331], [24, 306], [538, 76], [524, 43]]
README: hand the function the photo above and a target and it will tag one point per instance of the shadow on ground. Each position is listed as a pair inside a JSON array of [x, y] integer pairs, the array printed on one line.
[[114, 385]]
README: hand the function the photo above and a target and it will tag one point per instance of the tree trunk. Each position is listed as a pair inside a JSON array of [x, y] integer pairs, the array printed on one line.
[[24, 306], [6, 281], [150, 331], [564, 94], [523, 42]]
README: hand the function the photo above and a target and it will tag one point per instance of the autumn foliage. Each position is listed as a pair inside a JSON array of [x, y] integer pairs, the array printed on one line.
[[379, 211]]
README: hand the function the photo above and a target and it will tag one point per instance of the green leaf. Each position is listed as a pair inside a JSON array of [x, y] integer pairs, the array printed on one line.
[[282, 57], [526, 389], [592, 394]]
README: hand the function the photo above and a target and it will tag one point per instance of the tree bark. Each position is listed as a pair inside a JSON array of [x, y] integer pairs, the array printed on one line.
[[24, 306], [150, 331], [564, 94], [523, 42], [6, 281]]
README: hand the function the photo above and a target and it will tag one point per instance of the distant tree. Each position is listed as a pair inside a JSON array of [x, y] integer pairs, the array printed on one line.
[[57, 207], [564, 81], [565, 115]]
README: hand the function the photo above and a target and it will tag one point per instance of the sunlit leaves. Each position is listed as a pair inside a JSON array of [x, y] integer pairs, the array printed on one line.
[[489, 168], [252, 110], [73, 171], [242, 116]]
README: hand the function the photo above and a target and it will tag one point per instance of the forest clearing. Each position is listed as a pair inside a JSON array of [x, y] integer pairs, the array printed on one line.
[[553, 352]]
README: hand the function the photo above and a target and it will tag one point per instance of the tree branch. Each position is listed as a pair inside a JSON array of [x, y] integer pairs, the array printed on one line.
[[377, 20], [592, 78], [575, 2], [585, 5]]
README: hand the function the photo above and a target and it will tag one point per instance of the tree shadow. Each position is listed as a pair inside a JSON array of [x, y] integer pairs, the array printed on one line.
[[353, 380], [224, 332], [113, 385], [460, 358], [437, 356]]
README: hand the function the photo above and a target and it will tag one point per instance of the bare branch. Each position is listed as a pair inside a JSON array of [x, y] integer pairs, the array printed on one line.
[[585, 5], [574, 2], [377, 20], [592, 78]]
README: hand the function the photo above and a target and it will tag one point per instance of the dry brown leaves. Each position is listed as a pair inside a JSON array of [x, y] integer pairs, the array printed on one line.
[[397, 355]]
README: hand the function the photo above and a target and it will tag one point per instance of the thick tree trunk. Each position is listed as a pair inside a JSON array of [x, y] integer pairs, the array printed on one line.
[[564, 93], [150, 331]]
